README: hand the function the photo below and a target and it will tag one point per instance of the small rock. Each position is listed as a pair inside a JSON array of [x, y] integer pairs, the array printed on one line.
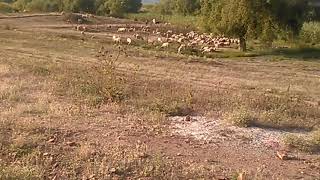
[[188, 118], [179, 154], [91, 176], [51, 140], [113, 170], [241, 176], [71, 143], [55, 165], [282, 155], [142, 155], [45, 154], [269, 90]]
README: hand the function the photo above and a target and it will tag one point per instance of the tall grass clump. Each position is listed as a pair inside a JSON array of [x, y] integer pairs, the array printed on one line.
[[310, 32], [96, 84], [310, 143]]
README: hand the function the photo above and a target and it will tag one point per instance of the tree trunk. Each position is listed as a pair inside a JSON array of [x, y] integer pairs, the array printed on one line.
[[243, 44]]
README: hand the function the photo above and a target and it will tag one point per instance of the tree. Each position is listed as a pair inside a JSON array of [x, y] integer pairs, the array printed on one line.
[[133, 6], [253, 18], [117, 7], [187, 6], [165, 7]]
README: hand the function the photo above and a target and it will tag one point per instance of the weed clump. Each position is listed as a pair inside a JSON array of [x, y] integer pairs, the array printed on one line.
[[97, 84], [241, 117], [310, 143]]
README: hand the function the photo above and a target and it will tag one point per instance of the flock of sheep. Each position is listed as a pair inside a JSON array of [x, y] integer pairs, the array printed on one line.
[[151, 34]]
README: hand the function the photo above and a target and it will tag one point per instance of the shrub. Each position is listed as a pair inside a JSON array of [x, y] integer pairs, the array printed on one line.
[[79, 5], [43, 5], [117, 8], [5, 7], [310, 32], [21, 5], [310, 143], [240, 117]]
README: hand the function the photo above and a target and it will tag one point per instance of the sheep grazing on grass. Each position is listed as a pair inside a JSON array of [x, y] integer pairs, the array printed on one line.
[[101, 50], [122, 29], [137, 36], [116, 39], [208, 49], [165, 45], [181, 47], [129, 41], [81, 28]]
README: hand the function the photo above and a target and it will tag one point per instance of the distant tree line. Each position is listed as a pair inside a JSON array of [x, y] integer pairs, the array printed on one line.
[[101, 7], [185, 7]]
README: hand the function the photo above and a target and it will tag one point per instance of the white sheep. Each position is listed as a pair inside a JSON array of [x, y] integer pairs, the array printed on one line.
[[129, 41], [116, 39], [165, 45], [137, 36], [208, 49], [182, 46], [122, 29]]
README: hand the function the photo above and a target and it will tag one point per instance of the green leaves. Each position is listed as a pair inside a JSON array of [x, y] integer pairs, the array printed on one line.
[[253, 18], [101, 7]]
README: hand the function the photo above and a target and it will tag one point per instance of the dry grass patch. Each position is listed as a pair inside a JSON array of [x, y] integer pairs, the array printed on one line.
[[241, 117], [11, 94], [311, 143]]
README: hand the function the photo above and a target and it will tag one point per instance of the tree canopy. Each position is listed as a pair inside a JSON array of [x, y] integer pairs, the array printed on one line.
[[102, 7], [184, 7], [253, 18]]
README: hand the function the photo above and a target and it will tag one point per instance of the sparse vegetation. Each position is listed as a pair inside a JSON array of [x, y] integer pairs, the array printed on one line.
[[241, 117], [310, 33], [5, 7], [68, 111], [311, 143]]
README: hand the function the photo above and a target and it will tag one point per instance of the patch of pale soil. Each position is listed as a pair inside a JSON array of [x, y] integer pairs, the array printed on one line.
[[217, 131]]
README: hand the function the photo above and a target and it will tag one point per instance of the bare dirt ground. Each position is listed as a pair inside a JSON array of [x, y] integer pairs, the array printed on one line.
[[50, 135]]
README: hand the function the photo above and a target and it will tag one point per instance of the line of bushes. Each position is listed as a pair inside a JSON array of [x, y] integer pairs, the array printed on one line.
[[101, 7]]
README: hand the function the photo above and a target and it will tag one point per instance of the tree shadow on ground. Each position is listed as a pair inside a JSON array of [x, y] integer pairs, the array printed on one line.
[[306, 54]]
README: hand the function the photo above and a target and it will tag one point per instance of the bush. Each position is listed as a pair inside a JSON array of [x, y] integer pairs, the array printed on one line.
[[43, 6], [114, 7], [310, 32], [21, 5], [5, 7], [310, 143], [240, 117], [79, 6]]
